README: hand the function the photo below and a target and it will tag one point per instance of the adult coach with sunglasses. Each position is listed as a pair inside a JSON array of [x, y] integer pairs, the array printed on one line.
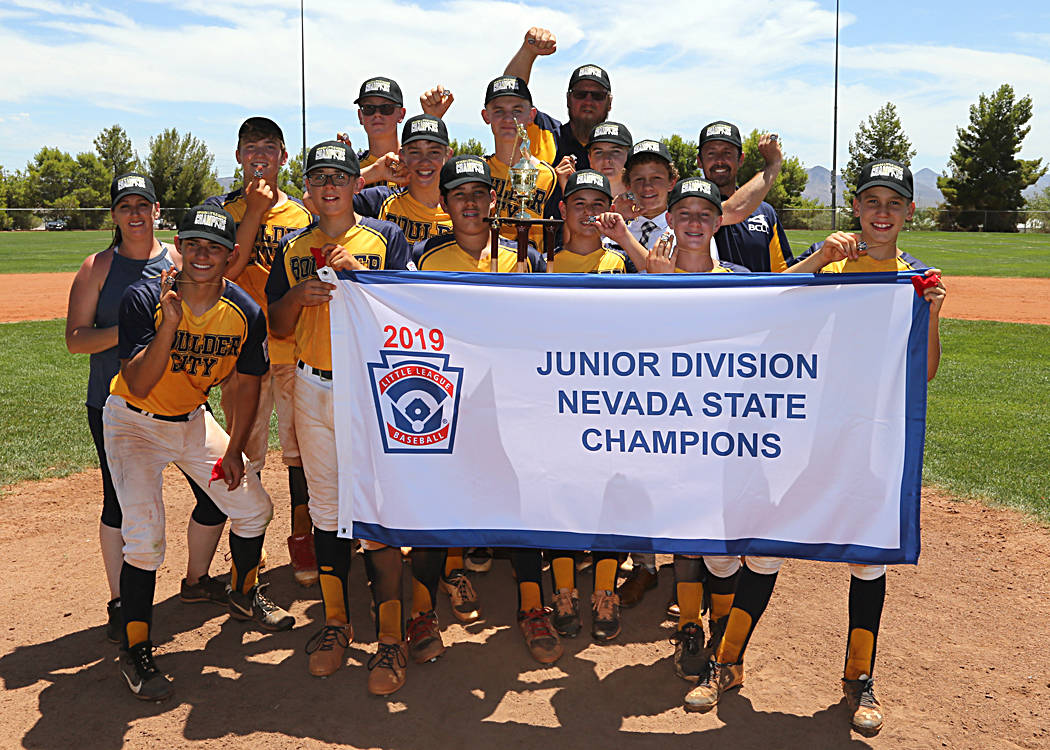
[[589, 99]]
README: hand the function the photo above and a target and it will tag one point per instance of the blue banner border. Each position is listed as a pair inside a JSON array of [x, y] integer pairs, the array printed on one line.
[[914, 438]]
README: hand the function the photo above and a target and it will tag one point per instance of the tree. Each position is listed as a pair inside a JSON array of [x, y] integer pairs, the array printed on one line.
[[181, 169], [54, 179], [683, 153], [472, 146], [787, 189], [114, 149], [881, 137], [985, 178]]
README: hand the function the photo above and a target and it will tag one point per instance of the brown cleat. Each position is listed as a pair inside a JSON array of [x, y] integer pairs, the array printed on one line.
[[638, 582], [461, 593], [327, 647], [540, 638], [386, 670], [304, 562], [867, 713], [424, 638], [605, 615], [719, 679]]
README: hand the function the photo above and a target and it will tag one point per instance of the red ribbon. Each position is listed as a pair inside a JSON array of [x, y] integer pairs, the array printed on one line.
[[922, 283], [318, 256], [216, 472]]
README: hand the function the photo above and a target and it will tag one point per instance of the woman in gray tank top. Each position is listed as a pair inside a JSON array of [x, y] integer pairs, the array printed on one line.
[[92, 326]]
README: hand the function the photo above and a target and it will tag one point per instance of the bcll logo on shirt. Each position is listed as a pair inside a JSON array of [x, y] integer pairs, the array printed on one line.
[[416, 396]]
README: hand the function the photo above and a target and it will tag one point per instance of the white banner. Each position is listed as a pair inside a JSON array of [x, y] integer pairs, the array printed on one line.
[[753, 414]]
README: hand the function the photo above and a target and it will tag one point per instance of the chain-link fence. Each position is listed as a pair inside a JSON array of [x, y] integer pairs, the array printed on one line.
[[926, 219], [78, 218]]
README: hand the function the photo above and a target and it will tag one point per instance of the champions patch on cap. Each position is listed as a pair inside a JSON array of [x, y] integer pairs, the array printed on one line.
[[644, 148], [132, 183], [424, 127], [886, 173], [507, 86], [208, 223], [590, 73], [695, 187], [386, 88], [462, 169], [335, 155], [588, 179], [721, 131], [611, 132]]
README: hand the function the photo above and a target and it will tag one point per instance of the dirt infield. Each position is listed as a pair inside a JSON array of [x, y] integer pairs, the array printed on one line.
[[41, 296], [962, 656]]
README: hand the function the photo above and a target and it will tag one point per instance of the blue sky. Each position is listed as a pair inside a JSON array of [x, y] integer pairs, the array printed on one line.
[[73, 68]]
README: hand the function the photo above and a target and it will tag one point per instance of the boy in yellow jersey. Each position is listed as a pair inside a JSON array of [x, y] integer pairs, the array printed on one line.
[[587, 208], [507, 99], [694, 214], [299, 303], [467, 195], [380, 108], [884, 204], [175, 343], [264, 215], [415, 209]]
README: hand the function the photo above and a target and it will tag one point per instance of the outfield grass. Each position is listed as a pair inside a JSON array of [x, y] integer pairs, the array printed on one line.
[[987, 426], [956, 253], [963, 253], [53, 252]]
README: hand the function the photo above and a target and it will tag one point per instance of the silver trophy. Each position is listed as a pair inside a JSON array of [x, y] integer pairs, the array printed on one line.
[[523, 174]]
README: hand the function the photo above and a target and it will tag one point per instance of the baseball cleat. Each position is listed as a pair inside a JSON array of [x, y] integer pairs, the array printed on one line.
[[719, 679], [478, 559], [144, 680], [114, 621], [327, 647], [638, 582], [386, 670], [867, 713], [206, 589], [540, 636], [566, 612], [461, 592], [605, 615], [254, 605], [424, 638], [690, 656]]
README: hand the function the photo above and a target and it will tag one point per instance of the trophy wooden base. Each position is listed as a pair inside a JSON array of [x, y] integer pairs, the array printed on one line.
[[550, 227]]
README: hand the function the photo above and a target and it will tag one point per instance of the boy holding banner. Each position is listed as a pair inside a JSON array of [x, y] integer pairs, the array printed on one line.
[[883, 204], [299, 304], [468, 196]]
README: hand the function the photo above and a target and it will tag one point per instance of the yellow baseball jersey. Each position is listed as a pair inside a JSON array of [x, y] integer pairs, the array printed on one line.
[[231, 334], [376, 245], [365, 159], [443, 253], [416, 220], [866, 264], [290, 216], [535, 205], [720, 267], [602, 260]]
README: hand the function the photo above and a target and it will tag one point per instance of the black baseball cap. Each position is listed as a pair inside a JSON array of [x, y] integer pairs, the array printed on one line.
[[260, 127], [209, 223], [507, 86], [611, 132], [424, 128], [386, 88], [720, 130], [334, 154], [590, 73], [656, 148], [886, 173], [587, 179], [695, 187], [132, 183], [462, 169]]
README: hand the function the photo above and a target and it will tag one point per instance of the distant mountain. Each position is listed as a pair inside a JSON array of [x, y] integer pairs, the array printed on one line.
[[1038, 187], [818, 187]]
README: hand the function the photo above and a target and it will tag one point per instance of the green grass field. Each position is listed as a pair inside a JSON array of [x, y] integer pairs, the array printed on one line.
[[986, 438], [956, 253]]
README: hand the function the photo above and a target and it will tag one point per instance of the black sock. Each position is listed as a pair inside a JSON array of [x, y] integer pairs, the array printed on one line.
[[528, 568], [753, 591], [333, 564], [245, 553], [297, 488], [866, 599], [428, 564], [137, 587], [384, 570]]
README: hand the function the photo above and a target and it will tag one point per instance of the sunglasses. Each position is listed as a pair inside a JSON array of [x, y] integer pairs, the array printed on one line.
[[598, 96], [339, 179], [383, 109]]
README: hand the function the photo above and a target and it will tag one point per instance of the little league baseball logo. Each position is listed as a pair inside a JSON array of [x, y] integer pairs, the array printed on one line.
[[416, 396]]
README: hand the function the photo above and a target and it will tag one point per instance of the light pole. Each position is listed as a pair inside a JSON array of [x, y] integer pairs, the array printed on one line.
[[835, 130], [302, 69]]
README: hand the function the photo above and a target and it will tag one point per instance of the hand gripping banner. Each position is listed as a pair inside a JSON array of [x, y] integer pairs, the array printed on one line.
[[761, 414]]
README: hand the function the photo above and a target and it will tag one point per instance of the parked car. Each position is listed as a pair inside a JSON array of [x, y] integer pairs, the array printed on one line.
[[55, 224]]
